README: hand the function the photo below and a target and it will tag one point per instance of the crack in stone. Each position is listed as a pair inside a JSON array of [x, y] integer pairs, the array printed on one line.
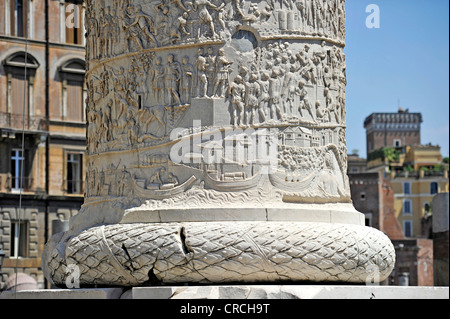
[[153, 280], [130, 266], [186, 249]]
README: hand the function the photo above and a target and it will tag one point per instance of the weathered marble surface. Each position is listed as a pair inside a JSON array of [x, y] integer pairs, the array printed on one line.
[[139, 254], [218, 125], [241, 292], [215, 102]]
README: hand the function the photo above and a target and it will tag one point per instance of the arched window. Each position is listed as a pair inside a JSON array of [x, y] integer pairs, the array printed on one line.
[[20, 90], [73, 90]]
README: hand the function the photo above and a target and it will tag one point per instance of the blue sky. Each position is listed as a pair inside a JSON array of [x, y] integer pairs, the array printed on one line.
[[404, 61]]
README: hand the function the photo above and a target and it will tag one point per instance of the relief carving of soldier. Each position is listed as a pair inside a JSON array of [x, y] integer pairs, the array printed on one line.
[[237, 93], [158, 81], [172, 77], [223, 74], [186, 80], [138, 27]]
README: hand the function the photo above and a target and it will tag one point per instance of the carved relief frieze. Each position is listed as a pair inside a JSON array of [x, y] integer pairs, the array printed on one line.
[[147, 24], [141, 90], [216, 148]]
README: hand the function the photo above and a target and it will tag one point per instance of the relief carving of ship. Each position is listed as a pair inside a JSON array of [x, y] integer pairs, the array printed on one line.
[[162, 191], [234, 182], [293, 183]]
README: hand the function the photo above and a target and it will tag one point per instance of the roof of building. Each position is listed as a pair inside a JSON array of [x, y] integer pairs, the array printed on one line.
[[402, 116]]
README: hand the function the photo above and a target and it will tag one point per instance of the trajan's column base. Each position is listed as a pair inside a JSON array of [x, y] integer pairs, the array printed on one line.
[[216, 149], [221, 252]]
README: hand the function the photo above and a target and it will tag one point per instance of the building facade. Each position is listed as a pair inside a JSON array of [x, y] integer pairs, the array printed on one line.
[[396, 190], [42, 125], [373, 195], [356, 164], [414, 193], [417, 173], [392, 129]]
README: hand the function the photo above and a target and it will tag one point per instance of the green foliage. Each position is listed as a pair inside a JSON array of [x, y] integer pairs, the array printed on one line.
[[392, 154], [386, 153]]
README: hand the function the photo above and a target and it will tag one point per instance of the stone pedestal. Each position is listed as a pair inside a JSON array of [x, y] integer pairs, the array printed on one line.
[[216, 149], [287, 292], [238, 293]]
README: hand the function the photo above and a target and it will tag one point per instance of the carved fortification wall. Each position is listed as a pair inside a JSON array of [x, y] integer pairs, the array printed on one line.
[[208, 112]]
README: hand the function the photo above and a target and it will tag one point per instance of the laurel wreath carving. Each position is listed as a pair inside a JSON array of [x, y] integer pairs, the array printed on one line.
[[206, 253]]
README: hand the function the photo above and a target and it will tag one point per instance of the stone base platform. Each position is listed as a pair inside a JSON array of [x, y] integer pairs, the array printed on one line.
[[240, 292], [220, 253]]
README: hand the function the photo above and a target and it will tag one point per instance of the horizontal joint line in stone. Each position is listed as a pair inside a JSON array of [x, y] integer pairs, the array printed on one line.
[[158, 49]]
